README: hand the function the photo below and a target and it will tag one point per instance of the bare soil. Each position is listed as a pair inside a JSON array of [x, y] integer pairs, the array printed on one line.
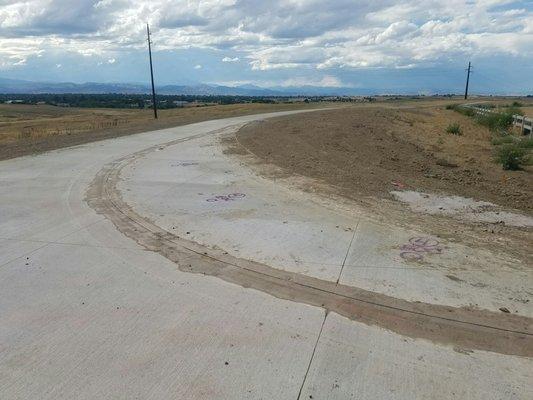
[[372, 151]]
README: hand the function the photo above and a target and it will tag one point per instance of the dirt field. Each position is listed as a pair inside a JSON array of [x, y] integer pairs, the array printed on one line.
[[528, 110], [374, 150], [28, 129]]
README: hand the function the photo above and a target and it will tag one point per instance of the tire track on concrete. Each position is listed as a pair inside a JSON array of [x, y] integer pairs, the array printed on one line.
[[461, 327]]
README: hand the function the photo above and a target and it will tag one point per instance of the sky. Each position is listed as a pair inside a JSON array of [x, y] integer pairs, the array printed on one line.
[[419, 46]]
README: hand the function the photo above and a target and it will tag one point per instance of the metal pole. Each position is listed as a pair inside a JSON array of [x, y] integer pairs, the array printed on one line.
[[467, 80], [151, 70]]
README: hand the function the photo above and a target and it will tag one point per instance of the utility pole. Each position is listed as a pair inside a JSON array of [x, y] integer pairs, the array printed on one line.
[[467, 79], [151, 70]]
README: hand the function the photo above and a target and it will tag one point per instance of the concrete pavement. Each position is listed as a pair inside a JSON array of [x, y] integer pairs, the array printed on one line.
[[176, 186], [87, 312]]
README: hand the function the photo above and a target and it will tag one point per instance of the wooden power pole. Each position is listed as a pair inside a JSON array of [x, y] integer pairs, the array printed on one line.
[[151, 70], [467, 79]]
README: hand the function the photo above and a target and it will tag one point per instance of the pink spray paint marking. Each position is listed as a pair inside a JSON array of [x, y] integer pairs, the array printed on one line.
[[417, 247]]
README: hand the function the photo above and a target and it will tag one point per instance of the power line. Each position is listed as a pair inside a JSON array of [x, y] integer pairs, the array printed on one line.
[[151, 70]]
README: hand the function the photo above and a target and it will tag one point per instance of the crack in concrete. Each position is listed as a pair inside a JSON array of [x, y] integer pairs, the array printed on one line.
[[468, 328], [348, 250], [312, 355]]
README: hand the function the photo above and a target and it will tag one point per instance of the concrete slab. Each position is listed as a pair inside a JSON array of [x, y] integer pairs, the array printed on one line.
[[265, 223], [11, 249], [382, 259], [121, 323], [355, 361]]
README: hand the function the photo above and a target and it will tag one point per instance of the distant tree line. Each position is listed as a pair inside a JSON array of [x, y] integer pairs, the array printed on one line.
[[120, 100], [117, 100]]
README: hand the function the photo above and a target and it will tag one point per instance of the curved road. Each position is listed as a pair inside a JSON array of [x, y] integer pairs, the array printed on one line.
[[98, 301]]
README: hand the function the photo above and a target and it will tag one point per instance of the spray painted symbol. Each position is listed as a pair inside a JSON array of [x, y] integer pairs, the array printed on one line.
[[418, 246], [184, 164], [226, 197]]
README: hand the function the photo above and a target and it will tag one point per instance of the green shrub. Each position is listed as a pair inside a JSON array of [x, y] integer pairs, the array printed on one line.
[[526, 143], [496, 141], [466, 111], [485, 106], [516, 104], [454, 129], [496, 121], [513, 110], [451, 107], [512, 156]]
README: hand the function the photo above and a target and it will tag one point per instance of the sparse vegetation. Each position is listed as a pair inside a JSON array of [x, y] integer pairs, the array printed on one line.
[[464, 110], [514, 110], [454, 129], [511, 152], [526, 143], [496, 122], [512, 156], [505, 139], [523, 142]]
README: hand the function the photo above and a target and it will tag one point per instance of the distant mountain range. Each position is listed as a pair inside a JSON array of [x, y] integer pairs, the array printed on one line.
[[21, 86]]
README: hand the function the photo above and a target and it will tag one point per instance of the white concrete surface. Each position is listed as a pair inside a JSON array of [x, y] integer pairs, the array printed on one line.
[[86, 313], [355, 361], [285, 228], [461, 208], [268, 225]]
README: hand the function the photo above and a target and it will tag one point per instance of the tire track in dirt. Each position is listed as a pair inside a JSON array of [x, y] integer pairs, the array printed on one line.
[[462, 328]]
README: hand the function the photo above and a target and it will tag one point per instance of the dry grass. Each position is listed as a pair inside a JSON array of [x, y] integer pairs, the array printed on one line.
[[27, 129], [35, 122], [40, 121], [528, 110]]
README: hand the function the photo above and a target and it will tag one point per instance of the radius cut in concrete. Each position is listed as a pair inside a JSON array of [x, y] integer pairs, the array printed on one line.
[[263, 222], [196, 191]]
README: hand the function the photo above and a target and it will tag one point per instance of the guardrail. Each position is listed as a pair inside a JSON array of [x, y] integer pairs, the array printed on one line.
[[524, 123]]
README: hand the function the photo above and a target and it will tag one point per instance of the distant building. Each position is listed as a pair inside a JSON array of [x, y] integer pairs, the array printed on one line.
[[14, 101], [180, 103]]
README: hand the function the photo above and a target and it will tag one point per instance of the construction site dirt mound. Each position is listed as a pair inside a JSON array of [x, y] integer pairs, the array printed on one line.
[[374, 151]]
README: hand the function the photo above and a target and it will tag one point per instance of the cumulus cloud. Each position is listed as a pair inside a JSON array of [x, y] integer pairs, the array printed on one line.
[[277, 34], [230, 60], [326, 81]]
